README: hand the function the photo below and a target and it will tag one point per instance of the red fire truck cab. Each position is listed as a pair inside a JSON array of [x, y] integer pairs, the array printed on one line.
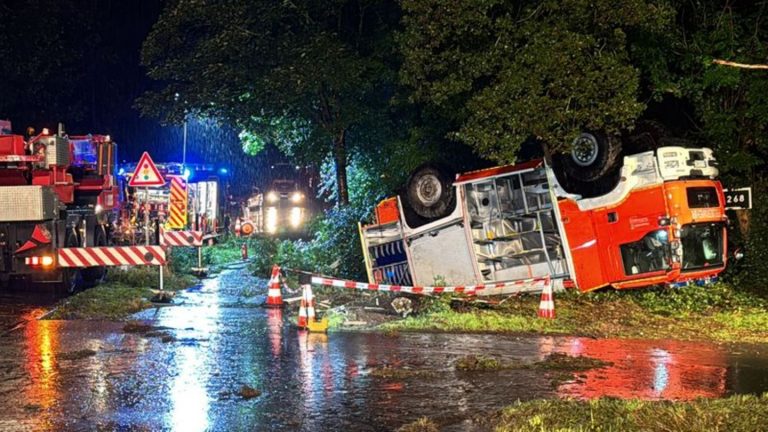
[[663, 223]]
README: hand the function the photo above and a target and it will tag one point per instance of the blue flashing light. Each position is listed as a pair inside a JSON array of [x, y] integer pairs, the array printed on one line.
[[121, 171], [187, 174], [223, 171]]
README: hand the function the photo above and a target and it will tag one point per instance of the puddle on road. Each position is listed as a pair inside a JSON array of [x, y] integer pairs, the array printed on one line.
[[318, 381]]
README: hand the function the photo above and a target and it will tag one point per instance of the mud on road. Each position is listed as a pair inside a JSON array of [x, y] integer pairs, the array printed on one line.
[[218, 361]]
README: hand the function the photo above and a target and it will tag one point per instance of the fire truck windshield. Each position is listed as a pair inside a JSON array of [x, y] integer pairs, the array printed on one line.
[[702, 245], [649, 254]]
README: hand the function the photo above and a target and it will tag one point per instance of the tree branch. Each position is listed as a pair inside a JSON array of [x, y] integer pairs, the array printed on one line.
[[740, 65]]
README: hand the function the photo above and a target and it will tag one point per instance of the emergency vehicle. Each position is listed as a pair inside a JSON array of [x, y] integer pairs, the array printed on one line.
[[283, 210], [55, 191], [206, 202], [662, 223]]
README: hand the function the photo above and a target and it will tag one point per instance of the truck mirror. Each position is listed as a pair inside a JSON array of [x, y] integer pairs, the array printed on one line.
[[738, 254]]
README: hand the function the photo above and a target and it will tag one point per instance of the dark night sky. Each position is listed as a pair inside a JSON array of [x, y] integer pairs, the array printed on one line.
[[95, 46]]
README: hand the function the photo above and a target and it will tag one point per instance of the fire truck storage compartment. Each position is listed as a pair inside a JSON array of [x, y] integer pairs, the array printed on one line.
[[386, 249], [12, 145], [512, 226], [27, 203], [442, 252]]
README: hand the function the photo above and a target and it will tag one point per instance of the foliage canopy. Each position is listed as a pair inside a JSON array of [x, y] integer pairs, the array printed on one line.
[[506, 71]]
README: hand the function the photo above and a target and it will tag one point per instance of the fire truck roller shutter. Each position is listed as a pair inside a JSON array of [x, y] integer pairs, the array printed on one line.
[[430, 193]]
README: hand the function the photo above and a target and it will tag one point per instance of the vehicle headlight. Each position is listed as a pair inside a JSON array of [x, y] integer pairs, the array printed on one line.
[[271, 220], [272, 197], [295, 217], [297, 197]]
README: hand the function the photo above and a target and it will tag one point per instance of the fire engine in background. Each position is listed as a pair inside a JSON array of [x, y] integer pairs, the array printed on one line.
[[284, 209], [55, 191], [206, 202], [663, 223]]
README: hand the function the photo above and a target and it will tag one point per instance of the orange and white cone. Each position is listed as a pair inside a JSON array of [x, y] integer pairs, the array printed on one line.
[[307, 308], [274, 295], [547, 304]]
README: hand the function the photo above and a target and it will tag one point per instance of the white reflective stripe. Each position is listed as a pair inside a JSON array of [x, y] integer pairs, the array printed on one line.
[[73, 258], [136, 254], [102, 256], [89, 258]]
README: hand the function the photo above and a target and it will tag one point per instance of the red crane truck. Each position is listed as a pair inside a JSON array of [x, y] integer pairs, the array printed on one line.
[[55, 191], [663, 223]]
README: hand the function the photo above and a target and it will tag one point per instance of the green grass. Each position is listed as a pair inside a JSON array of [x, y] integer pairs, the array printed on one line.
[[732, 414], [215, 257], [718, 313], [124, 293], [736, 413]]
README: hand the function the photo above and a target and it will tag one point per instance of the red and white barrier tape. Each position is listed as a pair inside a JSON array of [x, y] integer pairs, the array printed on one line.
[[459, 289]]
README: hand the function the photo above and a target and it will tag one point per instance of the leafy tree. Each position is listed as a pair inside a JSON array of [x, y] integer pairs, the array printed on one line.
[[730, 105], [305, 75], [505, 71]]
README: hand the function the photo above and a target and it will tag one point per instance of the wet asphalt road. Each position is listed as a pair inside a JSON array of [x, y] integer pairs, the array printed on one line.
[[217, 340]]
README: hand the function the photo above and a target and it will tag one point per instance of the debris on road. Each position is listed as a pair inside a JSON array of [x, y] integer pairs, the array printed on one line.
[[248, 392]]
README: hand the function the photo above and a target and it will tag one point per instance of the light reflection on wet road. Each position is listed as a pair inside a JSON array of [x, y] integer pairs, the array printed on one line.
[[223, 341]]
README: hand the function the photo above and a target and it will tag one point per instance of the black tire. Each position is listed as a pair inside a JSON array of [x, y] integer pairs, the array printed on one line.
[[93, 276], [430, 192], [70, 278], [593, 155]]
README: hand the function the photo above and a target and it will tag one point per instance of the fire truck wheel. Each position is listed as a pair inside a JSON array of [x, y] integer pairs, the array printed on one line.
[[71, 278], [430, 192], [592, 156], [95, 275]]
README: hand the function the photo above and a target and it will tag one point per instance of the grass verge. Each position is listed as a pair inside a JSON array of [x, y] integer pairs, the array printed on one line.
[[736, 413], [717, 313], [125, 292]]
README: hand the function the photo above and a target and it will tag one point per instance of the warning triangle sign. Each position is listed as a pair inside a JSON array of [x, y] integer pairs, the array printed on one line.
[[146, 173]]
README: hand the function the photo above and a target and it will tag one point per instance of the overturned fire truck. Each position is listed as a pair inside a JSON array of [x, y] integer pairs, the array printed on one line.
[[662, 223], [56, 191]]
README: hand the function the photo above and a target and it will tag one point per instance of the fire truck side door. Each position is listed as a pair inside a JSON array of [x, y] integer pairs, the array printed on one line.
[[585, 246]]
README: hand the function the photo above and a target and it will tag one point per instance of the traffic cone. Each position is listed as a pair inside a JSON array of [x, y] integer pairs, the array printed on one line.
[[307, 308], [547, 304], [274, 295], [244, 251], [237, 227]]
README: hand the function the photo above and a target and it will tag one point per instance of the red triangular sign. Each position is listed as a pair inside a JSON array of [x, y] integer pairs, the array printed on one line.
[[146, 173]]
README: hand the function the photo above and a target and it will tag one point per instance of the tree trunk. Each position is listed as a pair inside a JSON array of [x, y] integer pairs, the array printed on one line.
[[340, 160]]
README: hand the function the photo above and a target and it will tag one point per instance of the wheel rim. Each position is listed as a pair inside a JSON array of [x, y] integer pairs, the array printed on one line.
[[584, 150], [429, 189]]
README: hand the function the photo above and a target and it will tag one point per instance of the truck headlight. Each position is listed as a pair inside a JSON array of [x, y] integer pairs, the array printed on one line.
[[272, 197], [297, 197], [271, 220], [295, 217]]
